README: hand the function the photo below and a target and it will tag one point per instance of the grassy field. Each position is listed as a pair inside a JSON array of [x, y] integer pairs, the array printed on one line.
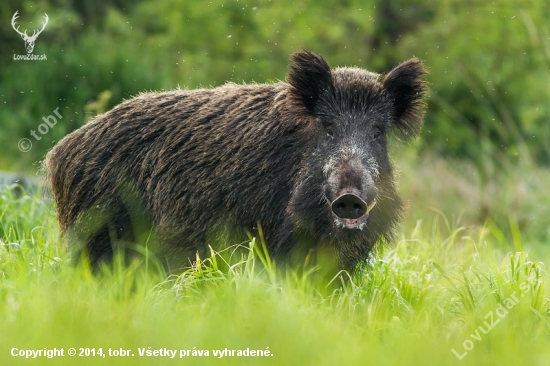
[[450, 291], [466, 283]]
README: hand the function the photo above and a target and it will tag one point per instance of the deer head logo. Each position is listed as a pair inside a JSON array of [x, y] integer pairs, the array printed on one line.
[[29, 40]]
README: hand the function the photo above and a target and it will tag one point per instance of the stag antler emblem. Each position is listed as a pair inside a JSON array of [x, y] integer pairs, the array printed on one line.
[[29, 41]]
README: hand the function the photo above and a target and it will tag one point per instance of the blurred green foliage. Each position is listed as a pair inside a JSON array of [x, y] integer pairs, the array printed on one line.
[[489, 62]]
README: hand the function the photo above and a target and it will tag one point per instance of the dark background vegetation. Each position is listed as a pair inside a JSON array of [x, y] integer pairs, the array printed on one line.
[[489, 62]]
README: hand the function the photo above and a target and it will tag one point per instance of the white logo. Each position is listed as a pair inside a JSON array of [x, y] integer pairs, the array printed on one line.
[[29, 40]]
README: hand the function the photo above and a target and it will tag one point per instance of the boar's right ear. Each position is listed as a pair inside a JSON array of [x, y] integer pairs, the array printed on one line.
[[309, 76], [407, 89]]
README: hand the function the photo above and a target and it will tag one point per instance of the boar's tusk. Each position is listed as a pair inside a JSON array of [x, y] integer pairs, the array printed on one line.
[[369, 207]]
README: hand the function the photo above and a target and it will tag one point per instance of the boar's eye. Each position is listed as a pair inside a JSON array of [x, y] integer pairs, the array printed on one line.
[[330, 132], [376, 134]]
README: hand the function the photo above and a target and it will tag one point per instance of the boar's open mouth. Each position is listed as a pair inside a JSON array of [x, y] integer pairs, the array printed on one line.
[[350, 211]]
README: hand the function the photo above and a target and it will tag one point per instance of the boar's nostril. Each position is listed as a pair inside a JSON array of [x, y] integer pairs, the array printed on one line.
[[349, 206]]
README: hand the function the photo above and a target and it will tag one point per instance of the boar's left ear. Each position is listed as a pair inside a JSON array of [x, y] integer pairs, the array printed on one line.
[[405, 86], [309, 76]]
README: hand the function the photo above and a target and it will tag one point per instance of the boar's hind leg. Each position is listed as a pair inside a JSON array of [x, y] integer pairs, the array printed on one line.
[[91, 236], [105, 229], [97, 249]]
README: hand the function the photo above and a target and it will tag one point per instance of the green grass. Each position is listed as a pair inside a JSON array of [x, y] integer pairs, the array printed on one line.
[[412, 305]]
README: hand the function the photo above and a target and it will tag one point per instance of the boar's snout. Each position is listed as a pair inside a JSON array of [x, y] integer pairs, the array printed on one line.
[[351, 211], [349, 206]]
